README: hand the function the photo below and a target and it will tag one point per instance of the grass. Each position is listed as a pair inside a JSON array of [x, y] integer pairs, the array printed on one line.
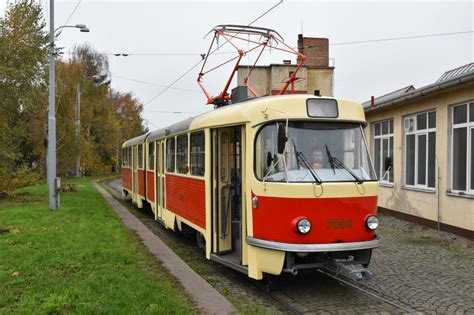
[[79, 259]]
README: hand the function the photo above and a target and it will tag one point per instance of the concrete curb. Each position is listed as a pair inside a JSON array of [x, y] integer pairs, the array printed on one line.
[[208, 300]]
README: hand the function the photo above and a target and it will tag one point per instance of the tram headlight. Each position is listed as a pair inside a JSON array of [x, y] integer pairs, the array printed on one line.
[[303, 226], [372, 222]]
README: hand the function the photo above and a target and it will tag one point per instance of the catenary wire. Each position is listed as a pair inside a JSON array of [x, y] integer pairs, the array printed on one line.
[[152, 83], [73, 11], [309, 46]]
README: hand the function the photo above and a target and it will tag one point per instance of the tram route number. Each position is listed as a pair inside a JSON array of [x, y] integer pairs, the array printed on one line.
[[339, 224]]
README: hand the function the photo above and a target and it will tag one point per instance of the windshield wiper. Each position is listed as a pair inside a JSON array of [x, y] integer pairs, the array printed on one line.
[[335, 162], [301, 158], [330, 159]]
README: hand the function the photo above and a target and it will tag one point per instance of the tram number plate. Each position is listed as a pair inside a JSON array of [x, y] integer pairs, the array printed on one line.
[[339, 224]]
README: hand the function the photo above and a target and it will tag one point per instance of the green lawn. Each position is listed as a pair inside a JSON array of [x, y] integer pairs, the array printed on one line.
[[79, 259]]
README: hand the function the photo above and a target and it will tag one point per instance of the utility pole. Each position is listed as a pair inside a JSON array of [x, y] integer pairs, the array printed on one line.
[[53, 181], [51, 164], [78, 132]]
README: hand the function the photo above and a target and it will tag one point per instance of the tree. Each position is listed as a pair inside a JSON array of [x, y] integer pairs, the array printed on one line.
[[23, 57], [107, 117]]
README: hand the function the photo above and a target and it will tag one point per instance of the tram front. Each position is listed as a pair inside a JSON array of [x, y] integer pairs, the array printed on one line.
[[314, 194]]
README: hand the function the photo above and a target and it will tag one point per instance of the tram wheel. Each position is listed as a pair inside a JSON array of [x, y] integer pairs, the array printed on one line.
[[200, 241]]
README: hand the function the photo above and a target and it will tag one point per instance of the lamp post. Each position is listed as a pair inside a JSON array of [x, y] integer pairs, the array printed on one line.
[[51, 164]]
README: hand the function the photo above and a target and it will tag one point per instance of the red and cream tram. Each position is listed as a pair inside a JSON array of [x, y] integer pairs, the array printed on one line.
[[270, 185]]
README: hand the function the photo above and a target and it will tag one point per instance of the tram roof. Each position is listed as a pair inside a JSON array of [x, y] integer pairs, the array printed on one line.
[[252, 110], [135, 140]]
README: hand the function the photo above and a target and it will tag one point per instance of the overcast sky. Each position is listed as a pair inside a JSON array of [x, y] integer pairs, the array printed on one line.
[[177, 27]]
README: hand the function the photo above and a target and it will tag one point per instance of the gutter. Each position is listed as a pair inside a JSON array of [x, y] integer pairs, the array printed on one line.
[[424, 91]]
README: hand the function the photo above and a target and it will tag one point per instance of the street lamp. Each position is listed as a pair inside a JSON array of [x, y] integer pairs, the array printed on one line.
[[53, 182]]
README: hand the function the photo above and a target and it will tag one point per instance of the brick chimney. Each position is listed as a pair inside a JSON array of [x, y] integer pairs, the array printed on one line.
[[316, 51]]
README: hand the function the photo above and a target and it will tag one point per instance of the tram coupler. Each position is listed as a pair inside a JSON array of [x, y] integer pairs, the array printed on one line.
[[348, 271]]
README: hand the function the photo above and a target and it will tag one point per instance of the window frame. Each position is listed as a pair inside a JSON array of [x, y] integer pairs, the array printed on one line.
[[199, 155], [418, 133], [151, 157], [167, 168], [140, 156], [382, 137], [469, 125], [179, 155]]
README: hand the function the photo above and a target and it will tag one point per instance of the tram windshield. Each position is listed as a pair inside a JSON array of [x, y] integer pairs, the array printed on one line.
[[315, 152]]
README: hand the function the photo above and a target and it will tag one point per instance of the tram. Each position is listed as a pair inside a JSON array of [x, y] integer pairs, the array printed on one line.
[[269, 185]]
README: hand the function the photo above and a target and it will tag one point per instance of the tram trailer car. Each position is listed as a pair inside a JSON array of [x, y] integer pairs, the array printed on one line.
[[269, 185]]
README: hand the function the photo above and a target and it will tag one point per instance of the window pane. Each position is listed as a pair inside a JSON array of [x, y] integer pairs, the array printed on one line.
[[390, 175], [377, 157], [459, 158], [472, 158], [432, 120], [384, 156], [385, 127], [420, 121], [377, 129], [170, 155], [182, 154], [431, 159], [197, 154], [421, 159], [151, 156], [460, 114], [140, 156], [410, 160], [390, 129], [471, 112]]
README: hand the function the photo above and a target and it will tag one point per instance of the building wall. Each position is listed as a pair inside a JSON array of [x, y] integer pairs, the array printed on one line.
[[281, 73], [259, 79], [457, 210], [320, 79], [265, 79]]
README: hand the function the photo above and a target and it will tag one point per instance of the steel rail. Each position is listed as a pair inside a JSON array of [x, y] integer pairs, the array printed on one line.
[[409, 310]]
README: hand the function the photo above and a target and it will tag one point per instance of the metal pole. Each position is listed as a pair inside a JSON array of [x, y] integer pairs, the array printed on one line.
[[53, 195], [78, 132]]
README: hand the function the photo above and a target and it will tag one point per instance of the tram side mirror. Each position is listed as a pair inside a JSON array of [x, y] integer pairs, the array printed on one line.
[[269, 159], [281, 138], [388, 163]]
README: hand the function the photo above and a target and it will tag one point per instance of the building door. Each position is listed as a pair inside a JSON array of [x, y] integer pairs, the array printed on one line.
[[227, 193]]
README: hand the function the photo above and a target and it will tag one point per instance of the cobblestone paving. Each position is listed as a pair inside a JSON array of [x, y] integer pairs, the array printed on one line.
[[422, 269], [419, 268]]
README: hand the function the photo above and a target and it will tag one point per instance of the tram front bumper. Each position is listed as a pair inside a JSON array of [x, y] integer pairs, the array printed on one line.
[[314, 248]]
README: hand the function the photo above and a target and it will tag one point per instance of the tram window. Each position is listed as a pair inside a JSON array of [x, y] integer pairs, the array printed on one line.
[[321, 107], [129, 158], [140, 156], [307, 153], [151, 156], [170, 155], [197, 154], [182, 154], [124, 162]]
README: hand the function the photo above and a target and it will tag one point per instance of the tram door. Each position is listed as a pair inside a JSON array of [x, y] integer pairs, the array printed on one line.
[[227, 193], [134, 173]]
